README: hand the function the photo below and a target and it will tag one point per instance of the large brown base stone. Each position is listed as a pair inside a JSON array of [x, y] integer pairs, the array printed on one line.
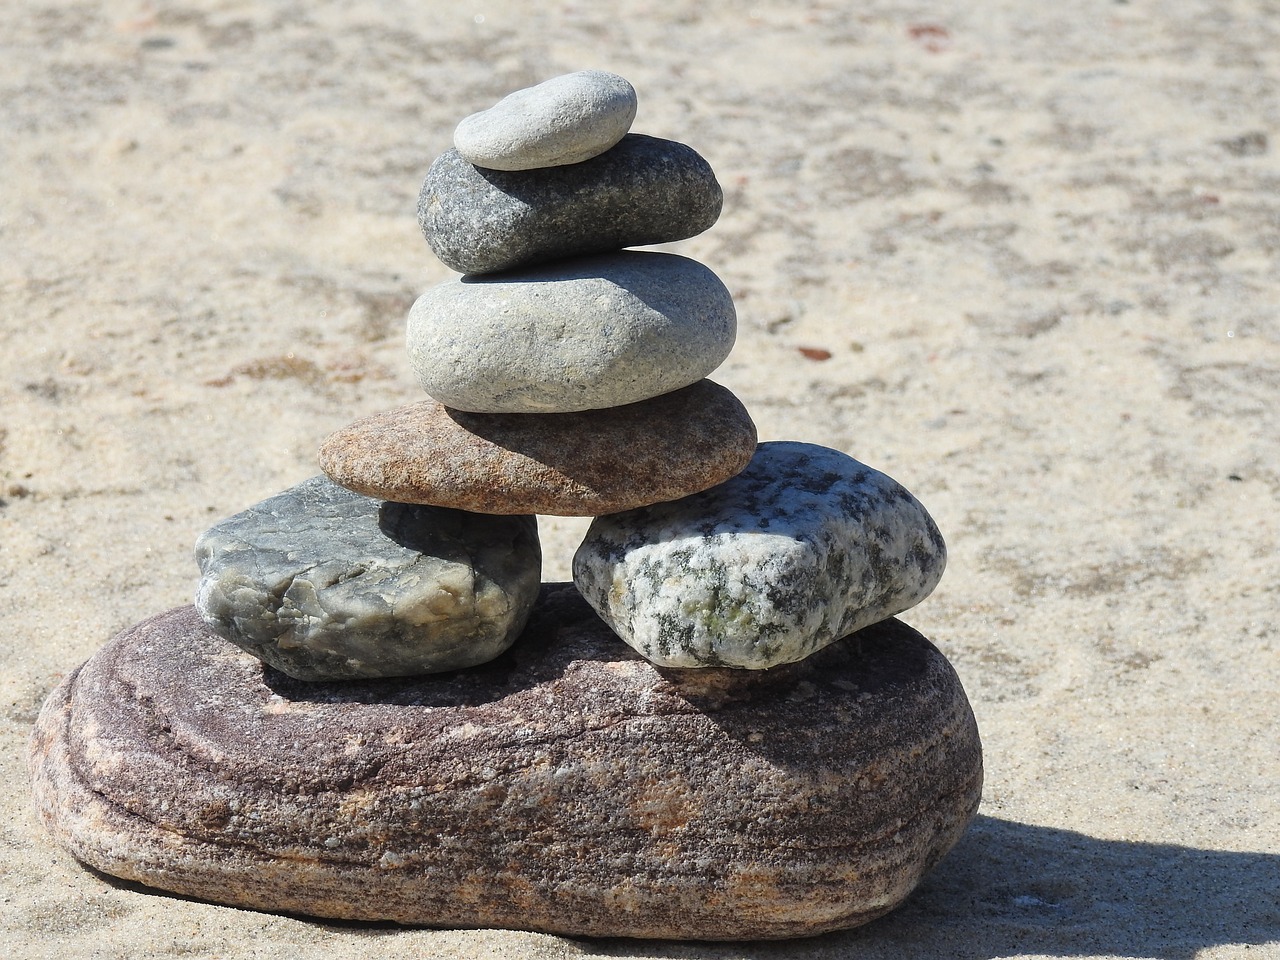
[[567, 787]]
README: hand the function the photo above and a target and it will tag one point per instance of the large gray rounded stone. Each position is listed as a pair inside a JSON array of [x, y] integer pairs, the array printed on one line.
[[325, 584], [644, 190], [804, 546], [584, 334], [566, 119], [568, 787]]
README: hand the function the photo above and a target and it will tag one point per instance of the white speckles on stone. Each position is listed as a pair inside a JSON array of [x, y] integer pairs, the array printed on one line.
[[805, 546], [566, 119], [582, 334]]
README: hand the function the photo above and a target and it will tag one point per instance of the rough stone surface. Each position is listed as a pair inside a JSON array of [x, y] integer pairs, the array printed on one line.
[[644, 190], [558, 464], [567, 787], [323, 583], [588, 333], [563, 120], [804, 546]]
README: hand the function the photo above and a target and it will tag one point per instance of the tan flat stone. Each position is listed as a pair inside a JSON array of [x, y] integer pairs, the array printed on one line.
[[560, 464], [567, 787]]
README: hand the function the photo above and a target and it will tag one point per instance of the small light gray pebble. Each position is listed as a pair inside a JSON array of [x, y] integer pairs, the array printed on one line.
[[805, 546], [644, 190], [585, 334], [564, 120], [325, 584]]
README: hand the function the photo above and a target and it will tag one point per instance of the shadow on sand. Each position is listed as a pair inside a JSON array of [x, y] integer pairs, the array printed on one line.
[[1012, 888]]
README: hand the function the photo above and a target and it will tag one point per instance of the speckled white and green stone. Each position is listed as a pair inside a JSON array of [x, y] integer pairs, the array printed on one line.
[[805, 546]]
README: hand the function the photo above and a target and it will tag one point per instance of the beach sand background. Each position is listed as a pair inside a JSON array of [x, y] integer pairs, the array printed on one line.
[[1040, 243]]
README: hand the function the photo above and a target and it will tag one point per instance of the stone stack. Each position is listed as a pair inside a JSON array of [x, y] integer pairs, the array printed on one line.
[[424, 732], [567, 373]]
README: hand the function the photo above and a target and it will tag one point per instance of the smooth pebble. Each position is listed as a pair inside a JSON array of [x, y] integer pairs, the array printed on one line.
[[323, 583], [563, 120], [644, 190], [559, 464], [594, 332]]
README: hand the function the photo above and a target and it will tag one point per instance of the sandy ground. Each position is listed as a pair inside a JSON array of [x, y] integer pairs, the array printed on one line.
[[1038, 240]]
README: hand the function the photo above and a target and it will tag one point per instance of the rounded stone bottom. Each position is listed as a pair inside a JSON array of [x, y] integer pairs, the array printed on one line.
[[567, 787]]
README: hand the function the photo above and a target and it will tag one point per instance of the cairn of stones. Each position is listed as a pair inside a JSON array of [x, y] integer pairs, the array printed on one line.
[[717, 731]]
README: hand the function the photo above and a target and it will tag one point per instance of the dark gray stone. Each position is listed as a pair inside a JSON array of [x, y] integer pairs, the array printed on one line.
[[804, 546], [567, 787], [644, 190], [326, 584]]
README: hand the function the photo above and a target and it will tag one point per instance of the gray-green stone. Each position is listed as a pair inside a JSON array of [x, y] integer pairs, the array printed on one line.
[[644, 190], [804, 546], [326, 584]]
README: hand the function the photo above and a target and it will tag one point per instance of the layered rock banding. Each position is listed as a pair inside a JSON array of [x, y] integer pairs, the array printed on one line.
[[404, 727], [645, 190], [567, 787]]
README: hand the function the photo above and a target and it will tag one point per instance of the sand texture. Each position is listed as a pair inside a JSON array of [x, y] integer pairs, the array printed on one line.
[[1021, 256]]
